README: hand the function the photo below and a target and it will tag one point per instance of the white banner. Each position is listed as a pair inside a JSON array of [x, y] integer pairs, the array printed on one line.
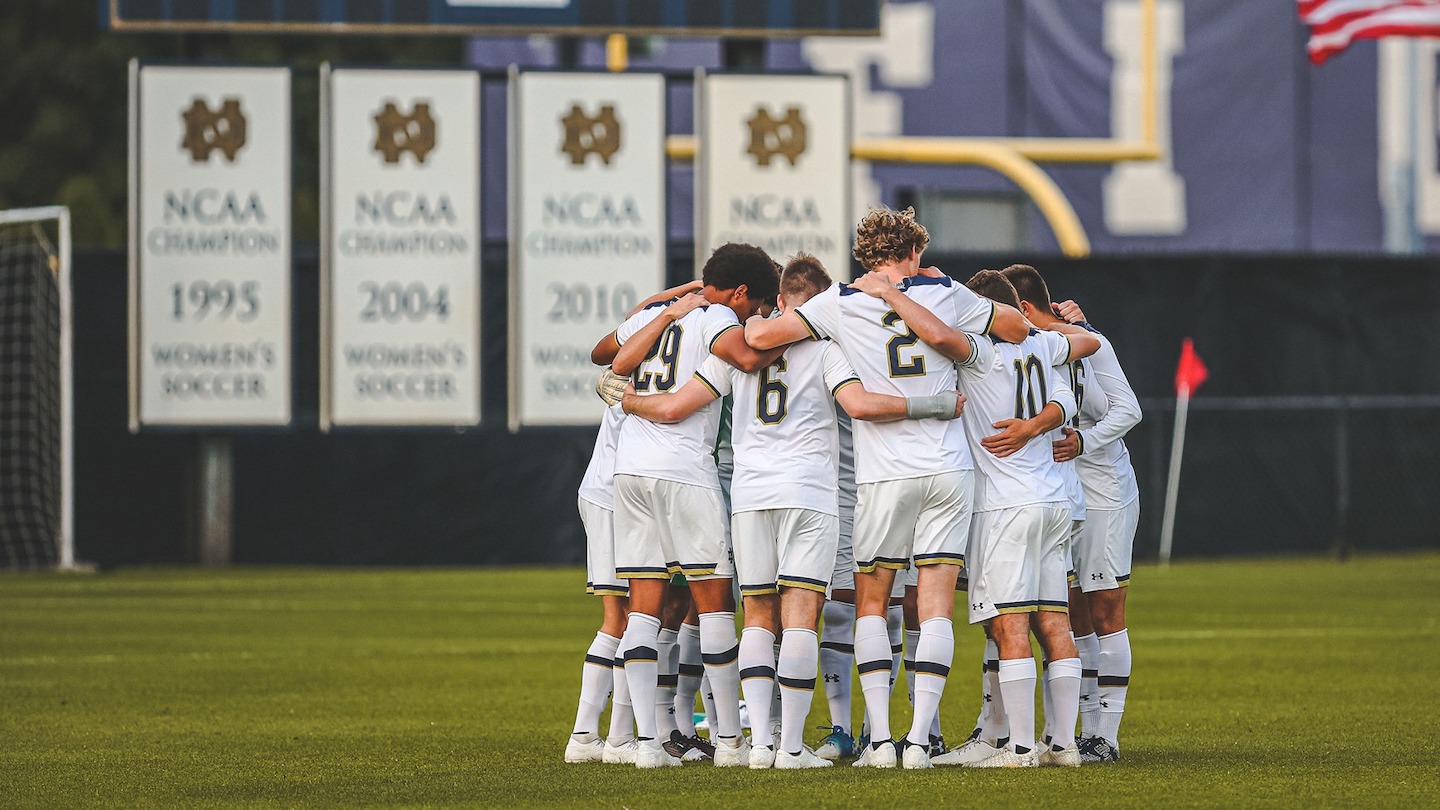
[[400, 314], [587, 234], [773, 167], [209, 246]]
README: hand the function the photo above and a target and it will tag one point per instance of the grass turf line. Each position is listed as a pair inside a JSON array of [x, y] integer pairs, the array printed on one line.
[[1272, 682]]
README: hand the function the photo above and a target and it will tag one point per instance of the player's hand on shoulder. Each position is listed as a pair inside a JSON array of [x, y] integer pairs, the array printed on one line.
[[873, 283], [1068, 448], [1068, 311], [684, 305]]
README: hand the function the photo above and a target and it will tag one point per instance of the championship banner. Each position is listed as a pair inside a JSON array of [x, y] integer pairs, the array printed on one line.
[[400, 260], [587, 241], [209, 246], [773, 166]]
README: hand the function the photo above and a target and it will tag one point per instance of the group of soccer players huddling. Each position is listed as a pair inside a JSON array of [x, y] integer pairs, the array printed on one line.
[[985, 456]]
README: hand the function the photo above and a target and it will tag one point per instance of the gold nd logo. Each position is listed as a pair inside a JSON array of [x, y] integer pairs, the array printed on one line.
[[396, 134], [586, 136], [776, 136], [206, 131]]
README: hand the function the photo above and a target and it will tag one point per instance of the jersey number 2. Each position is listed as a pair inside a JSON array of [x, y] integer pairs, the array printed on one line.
[[916, 365]]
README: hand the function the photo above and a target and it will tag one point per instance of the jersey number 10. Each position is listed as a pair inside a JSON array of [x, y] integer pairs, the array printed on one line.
[[1030, 387]]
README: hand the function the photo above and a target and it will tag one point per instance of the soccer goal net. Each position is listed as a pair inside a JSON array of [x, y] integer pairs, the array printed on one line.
[[35, 402]]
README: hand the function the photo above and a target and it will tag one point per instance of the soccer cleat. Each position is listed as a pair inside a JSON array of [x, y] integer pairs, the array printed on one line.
[[937, 745], [805, 759], [651, 754], [732, 756], [622, 754], [1062, 758], [968, 753], [688, 749], [836, 745], [701, 750], [916, 756], [1098, 749], [580, 751], [877, 755], [762, 757], [1007, 758]]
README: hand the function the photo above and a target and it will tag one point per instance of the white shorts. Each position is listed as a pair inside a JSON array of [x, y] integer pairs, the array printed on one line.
[[793, 548], [926, 519], [1017, 561], [665, 527], [842, 578], [600, 578], [1104, 548], [1076, 526]]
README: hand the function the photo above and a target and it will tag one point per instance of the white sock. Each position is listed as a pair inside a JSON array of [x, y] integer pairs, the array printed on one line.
[[934, 651], [1062, 685], [596, 682], [1089, 647], [666, 681], [907, 660], [1017, 690], [1114, 682], [719, 649], [1047, 731], [642, 669], [757, 680], [776, 711], [994, 725], [707, 702], [872, 658], [622, 714], [837, 660], [691, 671], [895, 630], [799, 653]]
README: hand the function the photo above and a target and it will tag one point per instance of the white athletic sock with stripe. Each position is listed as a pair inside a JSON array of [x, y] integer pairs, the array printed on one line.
[[799, 654], [1017, 690], [1062, 688], [994, 725], [1047, 731], [757, 680], [907, 659], [707, 702], [638, 644], [934, 651], [720, 650], [622, 714], [691, 671], [596, 682], [837, 660], [895, 630], [666, 681], [872, 658], [1089, 647], [1114, 682]]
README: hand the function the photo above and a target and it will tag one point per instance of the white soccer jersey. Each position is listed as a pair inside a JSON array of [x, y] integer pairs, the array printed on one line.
[[890, 359], [1079, 373], [598, 484], [1023, 378], [682, 452], [1108, 410], [783, 429]]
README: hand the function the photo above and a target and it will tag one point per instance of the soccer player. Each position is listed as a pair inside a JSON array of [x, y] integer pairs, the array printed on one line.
[[1108, 409], [915, 477], [1017, 567], [669, 517], [785, 520]]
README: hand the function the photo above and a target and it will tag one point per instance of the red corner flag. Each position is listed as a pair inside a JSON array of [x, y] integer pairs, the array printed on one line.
[[1191, 372]]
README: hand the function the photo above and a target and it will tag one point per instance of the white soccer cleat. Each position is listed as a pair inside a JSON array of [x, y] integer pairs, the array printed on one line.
[[622, 754], [1064, 758], [970, 753], [805, 759], [1007, 758], [762, 757], [877, 755], [578, 751], [651, 754], [732, 755], [916, 757]]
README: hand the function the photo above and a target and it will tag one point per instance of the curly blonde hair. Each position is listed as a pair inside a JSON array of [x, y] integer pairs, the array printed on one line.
[[886, 236]]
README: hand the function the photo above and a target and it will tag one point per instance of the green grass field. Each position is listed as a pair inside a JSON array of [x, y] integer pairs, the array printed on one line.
[[1285, 683]]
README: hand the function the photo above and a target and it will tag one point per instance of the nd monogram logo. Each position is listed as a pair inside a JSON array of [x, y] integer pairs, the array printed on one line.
[[206, 131], [586, 136], [776, 136], [396, 134]]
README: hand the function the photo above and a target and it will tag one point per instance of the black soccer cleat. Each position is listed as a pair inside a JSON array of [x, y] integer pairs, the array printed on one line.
[[1098, 749]]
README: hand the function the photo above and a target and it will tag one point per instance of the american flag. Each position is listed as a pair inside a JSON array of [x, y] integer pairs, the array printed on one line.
[[1334, 24]]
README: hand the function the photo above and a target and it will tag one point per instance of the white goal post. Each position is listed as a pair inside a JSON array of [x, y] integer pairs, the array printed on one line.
[[60, 265]]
